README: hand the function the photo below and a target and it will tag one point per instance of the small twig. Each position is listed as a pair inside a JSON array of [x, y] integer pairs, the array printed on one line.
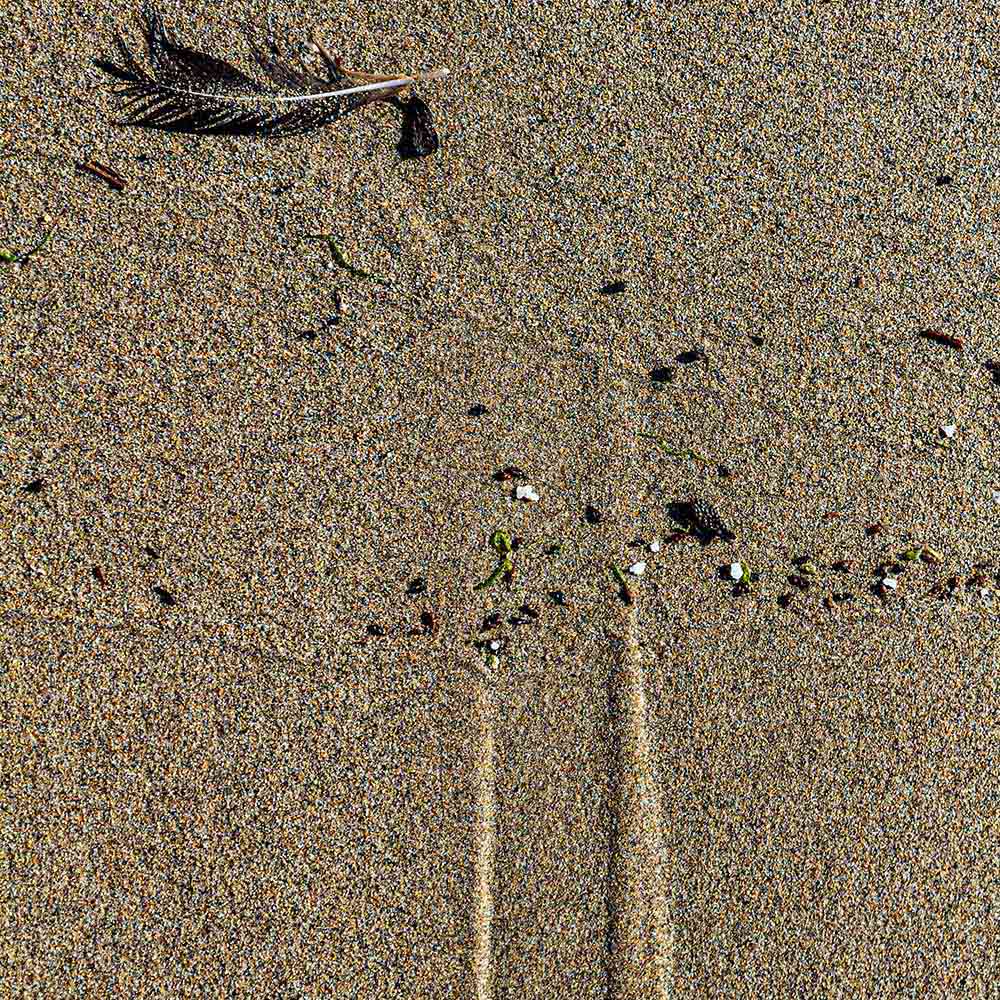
[[939, 337], [105, 173]]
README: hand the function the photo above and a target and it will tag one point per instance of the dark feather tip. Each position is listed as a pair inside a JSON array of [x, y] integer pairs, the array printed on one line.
[[113, 70], [418, 137]]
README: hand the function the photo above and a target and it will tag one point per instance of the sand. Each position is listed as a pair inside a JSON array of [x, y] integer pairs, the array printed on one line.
[[236, 761]]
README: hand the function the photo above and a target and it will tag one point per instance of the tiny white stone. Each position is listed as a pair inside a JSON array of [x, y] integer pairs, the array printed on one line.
[[655, 546], [525, 493], [949, 430], [637, 569], [736, 571], [996, 495], [495, 645], [890, 581]]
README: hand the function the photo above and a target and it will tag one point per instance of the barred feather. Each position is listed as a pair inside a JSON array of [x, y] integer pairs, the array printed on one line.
[[189, 91]]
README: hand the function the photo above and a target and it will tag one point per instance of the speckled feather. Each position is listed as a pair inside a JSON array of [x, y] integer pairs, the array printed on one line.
[[189, 91]]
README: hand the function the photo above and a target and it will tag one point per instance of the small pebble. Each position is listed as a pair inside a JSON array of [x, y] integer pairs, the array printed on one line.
[[526, 492], [949, 430], [690, 357], [495, 644], [996, 495], [491, 621], [736, 571], [637, 569], [662, 374], [654, 546], [891, 582]]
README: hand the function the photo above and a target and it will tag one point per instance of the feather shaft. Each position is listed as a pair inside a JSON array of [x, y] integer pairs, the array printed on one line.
[[394, 84]]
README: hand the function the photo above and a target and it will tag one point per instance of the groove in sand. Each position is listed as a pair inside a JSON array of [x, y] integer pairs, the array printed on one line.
[[640, 935], [485, 843]]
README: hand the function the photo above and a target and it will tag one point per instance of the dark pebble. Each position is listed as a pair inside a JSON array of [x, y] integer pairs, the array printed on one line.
[[690, 357], [593, 515], [784, 600], [799, 581], [478, 410], [943, 179], [557, 597], [614, 288], [166, 598], [34, 487], [757, 341], [416, 586], [510, 472], [491, 621], [662, 374], [376, 630]]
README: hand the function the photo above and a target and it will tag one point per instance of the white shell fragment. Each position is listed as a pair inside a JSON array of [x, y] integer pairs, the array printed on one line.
[[949, 430], [736, 571], [996, 495], [891, 582], [655, 546], [495, 645], [526, 493], [637, 569]]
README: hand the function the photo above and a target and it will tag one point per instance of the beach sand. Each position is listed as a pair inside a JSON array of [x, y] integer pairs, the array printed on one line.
[[239, 763]]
